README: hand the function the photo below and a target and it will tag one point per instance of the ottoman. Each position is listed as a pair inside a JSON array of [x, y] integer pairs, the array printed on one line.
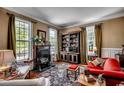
[[75, 71]]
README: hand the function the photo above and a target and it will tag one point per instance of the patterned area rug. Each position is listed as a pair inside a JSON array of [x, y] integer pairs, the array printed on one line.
[[57, 76]]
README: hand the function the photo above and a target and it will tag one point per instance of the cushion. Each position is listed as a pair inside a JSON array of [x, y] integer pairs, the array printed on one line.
[[24, 82], [112, 64], [73, 66], [98, 61], [102, 64], [91, 65]]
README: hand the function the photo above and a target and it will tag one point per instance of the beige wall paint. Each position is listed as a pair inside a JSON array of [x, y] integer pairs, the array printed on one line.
[[72, 29], [113, 33], [41, 26], [3, 30]]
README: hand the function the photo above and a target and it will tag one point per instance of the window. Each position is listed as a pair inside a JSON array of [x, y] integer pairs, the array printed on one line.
[[23, 39], [53, 40], [90, 39]]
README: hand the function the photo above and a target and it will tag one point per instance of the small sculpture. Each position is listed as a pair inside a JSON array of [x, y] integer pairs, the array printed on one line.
[[100, 79]]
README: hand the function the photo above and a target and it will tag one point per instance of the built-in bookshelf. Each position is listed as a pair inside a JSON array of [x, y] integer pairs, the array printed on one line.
[[65, 42], [70, 49]]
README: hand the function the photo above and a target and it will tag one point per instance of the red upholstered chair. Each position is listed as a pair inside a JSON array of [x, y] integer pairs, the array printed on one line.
[[110, 69]]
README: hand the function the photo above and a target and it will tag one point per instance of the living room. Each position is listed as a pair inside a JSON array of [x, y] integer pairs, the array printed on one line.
[[62, 46]]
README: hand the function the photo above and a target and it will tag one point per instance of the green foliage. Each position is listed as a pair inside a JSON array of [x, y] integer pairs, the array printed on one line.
[[36, 39]]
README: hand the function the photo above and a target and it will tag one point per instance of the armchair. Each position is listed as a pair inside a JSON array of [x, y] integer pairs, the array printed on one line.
[[26, 82]]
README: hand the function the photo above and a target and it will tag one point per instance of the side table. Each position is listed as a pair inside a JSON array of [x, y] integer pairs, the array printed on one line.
[[29, 62], [76, 71]]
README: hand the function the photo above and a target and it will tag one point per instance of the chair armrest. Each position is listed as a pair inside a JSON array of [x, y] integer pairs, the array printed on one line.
[[24, 82]]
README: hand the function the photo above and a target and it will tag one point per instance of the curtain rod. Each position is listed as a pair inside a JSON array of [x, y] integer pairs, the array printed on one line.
[[21, 16]]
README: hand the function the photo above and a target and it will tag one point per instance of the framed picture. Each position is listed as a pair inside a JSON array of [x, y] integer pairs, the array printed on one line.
[[41, 34]]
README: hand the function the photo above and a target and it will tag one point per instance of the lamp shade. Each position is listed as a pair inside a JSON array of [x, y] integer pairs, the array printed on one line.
[[94, 48], [6, 57]]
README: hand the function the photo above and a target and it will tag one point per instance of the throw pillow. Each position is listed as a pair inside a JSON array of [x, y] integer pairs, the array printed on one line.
[[91, 65], [73, 66], [98, 61]]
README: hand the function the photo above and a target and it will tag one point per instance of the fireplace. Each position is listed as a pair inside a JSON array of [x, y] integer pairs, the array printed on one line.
[[42, 57]]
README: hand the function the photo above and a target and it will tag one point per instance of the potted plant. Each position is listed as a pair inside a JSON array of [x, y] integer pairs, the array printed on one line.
[[36, 40]]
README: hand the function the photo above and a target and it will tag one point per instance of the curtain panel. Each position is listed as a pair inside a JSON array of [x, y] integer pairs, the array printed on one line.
[[59, 42], [83, 49], [11, 34], [98, 36]]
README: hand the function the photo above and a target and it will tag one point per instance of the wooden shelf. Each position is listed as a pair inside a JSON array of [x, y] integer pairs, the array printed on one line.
[[71, 47], [69, 52]]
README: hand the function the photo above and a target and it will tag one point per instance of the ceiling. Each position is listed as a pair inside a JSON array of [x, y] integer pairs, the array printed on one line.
[[69, 16]]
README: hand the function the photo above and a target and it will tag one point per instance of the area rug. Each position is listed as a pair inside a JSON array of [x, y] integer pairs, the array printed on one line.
[[56, 78]]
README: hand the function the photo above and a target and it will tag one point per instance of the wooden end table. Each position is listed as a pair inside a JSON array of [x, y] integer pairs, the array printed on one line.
[[82, 81]]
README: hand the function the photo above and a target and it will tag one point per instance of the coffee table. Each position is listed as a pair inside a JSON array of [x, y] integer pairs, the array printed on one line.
[[83, 82]]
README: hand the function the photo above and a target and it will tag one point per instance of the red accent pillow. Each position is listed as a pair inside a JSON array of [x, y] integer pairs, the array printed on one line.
[[73, 66]]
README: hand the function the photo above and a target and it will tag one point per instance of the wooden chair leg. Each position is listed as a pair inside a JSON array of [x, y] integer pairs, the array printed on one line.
[[29, 74], [75, 75], [78, 71]]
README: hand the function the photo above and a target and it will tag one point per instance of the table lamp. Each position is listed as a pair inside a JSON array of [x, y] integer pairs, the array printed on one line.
[[6, 57], [95, 50]]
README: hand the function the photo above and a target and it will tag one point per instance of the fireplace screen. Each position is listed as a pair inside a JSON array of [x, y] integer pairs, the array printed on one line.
[[43, 56]]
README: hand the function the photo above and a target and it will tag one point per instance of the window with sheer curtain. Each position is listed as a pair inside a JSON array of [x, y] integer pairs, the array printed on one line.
[[90, 39], [53, 40], [23, 39]]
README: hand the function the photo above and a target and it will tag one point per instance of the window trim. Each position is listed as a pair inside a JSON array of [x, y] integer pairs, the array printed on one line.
[[94, 41], [56, 48], [30, 29]]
